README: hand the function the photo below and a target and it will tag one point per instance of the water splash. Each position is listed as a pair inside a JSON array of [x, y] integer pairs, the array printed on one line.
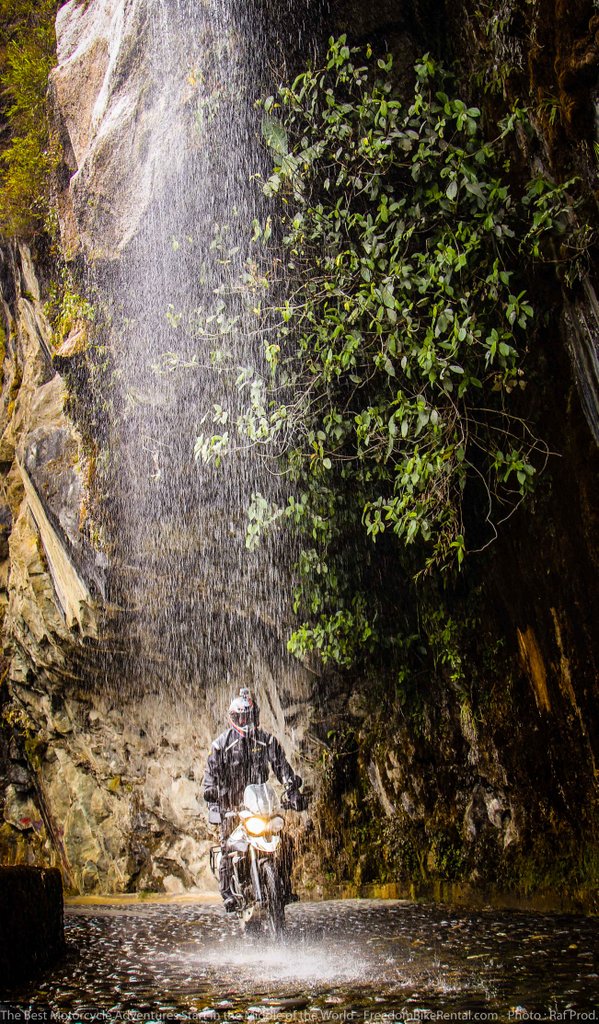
[[370, 958], [286, 964]]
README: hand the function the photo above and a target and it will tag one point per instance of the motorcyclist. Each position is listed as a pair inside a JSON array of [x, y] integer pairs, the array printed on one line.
[[244, 755]]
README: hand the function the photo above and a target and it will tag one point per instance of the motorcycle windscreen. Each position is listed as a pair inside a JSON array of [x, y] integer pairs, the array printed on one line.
[[261, 799]]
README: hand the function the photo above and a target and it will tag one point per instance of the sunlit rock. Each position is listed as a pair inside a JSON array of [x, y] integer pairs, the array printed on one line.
[[116, 118]]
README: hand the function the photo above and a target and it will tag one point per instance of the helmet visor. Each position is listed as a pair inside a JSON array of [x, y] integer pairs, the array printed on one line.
[[243, 718]]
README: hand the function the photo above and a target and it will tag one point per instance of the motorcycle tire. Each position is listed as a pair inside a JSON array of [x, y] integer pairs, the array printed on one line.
[[252, 926], [274, 903]]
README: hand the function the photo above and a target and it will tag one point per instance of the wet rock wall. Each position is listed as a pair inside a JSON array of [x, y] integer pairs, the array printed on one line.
[[489, 773], [92, 783]]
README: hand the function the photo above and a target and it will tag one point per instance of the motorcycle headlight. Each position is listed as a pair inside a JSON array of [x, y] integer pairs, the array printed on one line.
[[256, 826]]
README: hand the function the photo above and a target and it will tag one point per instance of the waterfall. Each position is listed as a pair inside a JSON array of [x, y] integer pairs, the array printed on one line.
[[198, 611]]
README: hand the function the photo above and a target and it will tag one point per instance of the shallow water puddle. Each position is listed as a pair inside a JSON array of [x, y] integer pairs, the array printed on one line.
[[363, 960]]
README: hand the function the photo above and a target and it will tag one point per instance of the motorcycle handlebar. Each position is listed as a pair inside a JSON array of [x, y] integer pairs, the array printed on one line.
[[294, 801]]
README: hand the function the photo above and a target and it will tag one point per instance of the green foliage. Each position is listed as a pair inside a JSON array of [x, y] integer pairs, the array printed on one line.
[[66, 309], [396, 353], [30, 152]]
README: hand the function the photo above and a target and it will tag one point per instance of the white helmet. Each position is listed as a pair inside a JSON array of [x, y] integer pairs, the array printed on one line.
[[244, 712]]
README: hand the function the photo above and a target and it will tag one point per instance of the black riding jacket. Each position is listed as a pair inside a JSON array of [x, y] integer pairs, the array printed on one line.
[[238, 761]]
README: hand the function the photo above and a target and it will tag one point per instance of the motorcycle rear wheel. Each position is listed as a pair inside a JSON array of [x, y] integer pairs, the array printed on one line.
[[273, 900]]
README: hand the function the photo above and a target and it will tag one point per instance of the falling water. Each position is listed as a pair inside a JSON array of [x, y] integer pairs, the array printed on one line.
[[197, 607]]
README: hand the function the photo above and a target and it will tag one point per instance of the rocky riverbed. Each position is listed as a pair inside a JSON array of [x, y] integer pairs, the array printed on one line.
[[364, 960]]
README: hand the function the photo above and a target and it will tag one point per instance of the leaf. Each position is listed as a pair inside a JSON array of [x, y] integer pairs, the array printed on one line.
[[387, 297], [474, 188], [275, 135]]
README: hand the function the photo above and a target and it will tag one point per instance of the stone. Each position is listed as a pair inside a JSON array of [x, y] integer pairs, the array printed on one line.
[[31, 922], [20, 811], [74, 344], [173, 885], [20, 777], [5, 528], [113, 113], [184, 799]]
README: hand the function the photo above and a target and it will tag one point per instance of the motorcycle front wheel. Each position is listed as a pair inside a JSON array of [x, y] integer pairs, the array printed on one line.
[[274, 904]]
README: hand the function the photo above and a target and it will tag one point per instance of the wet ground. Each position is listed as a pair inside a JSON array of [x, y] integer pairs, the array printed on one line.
[[350, 960]]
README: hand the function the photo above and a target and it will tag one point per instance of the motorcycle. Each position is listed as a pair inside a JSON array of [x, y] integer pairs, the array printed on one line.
[[256, 846]]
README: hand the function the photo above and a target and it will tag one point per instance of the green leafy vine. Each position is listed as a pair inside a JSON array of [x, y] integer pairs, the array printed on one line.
[[389, 295]]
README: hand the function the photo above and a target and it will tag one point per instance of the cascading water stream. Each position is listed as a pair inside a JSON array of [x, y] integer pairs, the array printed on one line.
[[198, 609], [155, 102]]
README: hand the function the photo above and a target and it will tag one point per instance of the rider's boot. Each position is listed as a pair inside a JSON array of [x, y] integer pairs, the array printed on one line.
[[229, 901]]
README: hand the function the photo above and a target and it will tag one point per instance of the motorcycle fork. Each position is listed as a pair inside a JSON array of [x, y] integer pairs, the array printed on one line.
[[255, 874], [235, 880]]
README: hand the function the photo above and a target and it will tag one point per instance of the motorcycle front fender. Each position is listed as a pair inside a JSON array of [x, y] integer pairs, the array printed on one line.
[[265, 845]]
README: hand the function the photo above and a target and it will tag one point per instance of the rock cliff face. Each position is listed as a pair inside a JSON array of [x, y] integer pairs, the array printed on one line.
[[47, 605], [95, 781], [480, 775], [116, 120], [489, 773]]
